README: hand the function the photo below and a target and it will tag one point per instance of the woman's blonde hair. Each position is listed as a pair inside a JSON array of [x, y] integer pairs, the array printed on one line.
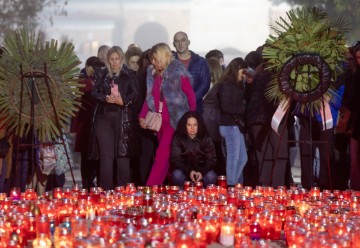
[[119, 51], [162, 53]]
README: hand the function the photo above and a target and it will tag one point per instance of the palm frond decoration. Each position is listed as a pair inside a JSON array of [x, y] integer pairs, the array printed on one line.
[[305, 56], [28, 62]]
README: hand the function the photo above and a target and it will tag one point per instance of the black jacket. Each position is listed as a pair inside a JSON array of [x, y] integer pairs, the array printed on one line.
[[192, 154], [354, 105], [128, 89], [211, 113], [259, 111], [232, 103]]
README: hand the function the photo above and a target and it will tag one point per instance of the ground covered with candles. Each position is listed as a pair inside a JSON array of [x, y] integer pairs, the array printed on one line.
[[167, 216]]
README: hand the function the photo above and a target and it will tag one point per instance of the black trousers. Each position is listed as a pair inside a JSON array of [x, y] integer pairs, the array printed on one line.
[[311, 137], [89, 169], [341, 161], [114, 170]]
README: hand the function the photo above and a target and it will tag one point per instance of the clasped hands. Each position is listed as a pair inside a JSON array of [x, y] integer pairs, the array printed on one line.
[[115, 99], [195, 176]]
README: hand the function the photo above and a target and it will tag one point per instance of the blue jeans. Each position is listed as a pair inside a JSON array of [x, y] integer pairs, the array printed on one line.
[[236, 154], [178, 178]]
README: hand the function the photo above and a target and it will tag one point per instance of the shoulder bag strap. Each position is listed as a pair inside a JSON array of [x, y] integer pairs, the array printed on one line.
[[161, 99]]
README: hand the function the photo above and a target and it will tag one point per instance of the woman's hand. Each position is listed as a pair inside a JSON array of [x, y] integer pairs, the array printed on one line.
[[195, 176], [142, 123], [115, 99]]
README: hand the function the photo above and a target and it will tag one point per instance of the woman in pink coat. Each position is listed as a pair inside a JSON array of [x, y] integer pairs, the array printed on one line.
[[170, 83]]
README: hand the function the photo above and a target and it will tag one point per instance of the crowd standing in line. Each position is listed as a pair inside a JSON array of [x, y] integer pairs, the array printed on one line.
[[215, 120]]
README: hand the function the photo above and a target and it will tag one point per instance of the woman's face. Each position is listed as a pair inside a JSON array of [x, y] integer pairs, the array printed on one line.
[[192, 127], [134, 62], [240, 75], [115, 62], [89, 70]]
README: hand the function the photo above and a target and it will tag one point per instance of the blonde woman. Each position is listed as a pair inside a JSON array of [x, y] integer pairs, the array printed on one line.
[[115, 93], [168, 82]]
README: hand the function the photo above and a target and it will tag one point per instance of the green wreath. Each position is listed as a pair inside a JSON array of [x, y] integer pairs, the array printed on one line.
[[306, 91], [304, 57], [28, 62]]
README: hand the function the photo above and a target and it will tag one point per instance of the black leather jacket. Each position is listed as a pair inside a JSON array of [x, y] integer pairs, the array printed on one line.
[[128, 89], [192, 154]]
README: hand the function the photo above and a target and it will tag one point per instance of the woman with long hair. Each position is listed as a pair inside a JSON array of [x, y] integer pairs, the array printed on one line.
[[193, 154], [211, 113], [115, 93], [231, 94], [168, 85]]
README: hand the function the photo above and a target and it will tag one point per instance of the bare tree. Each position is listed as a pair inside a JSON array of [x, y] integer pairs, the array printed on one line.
[[28, 14]]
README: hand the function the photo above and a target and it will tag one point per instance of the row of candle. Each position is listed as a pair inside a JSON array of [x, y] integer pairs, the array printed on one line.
[[194, 216]]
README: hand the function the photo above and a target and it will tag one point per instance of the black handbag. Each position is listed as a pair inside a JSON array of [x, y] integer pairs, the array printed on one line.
[[4, 146]]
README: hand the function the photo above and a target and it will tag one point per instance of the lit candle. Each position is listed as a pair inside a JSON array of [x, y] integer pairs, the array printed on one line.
[[255, 231], [315, 193], [90, 215], [221, 181], [15, 194], [42, 241], [227, 232]]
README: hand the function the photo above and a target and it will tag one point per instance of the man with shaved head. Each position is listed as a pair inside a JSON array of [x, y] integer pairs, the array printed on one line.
[[196, 65]]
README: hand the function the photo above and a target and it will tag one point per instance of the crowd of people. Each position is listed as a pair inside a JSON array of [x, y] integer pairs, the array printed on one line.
[[216, 121]]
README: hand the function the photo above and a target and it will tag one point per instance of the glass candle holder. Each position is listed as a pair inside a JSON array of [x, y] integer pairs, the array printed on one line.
[[315, 193], [62, 237], [227, 232], [57, 193], [15, 194], [42, 225], [79, 228], [255, 231], [42, 241], [211, 228], [221, 181], [30, 194]]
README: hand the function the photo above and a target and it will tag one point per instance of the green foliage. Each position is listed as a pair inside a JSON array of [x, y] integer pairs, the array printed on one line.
[[306, 30], [348, 8], [26, 55]]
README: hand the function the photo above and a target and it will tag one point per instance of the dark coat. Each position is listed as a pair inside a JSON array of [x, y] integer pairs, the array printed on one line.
[[192, 154], [232, 103], [128, 89], [259, 110], [80, 123], [211, 113], [354, 105], [200, 72]]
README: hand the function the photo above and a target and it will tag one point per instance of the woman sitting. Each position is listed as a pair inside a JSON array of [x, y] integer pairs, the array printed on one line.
[[193, 154]]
